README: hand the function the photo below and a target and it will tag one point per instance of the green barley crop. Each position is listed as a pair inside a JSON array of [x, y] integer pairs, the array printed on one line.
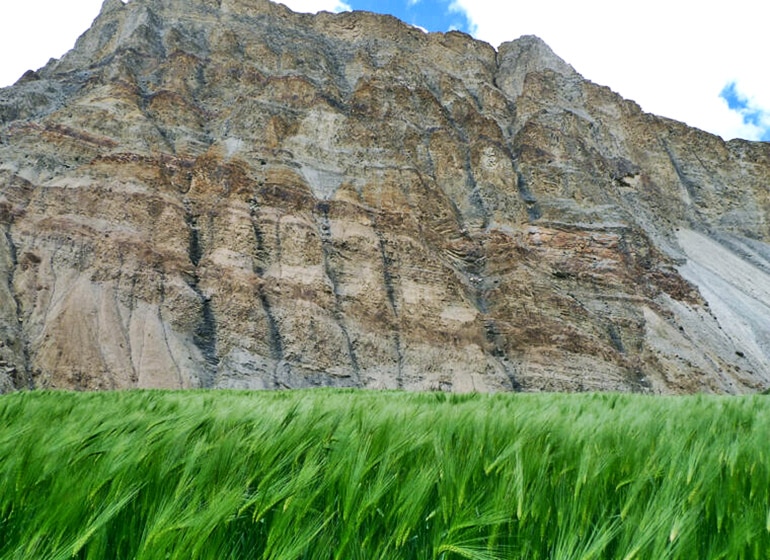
[[345, 475]]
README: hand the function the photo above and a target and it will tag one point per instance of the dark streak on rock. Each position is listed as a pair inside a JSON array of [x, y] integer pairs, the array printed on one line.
[[615, 338], [387, 276], [194, 247], [533, 208], [21, 378], [258, 263], [497, 342], [327, 246], [205, 333]]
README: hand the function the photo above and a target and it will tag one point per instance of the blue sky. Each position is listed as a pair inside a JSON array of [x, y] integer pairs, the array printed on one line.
[[749, 112], [693, 61], [433, 15]]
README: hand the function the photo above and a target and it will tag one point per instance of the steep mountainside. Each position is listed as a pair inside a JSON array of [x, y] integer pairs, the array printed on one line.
[[223, 193]]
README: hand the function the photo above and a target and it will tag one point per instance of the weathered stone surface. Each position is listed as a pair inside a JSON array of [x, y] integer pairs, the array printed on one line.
[[222, 193]]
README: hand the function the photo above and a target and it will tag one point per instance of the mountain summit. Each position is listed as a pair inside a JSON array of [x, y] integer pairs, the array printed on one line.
[[223, 193]]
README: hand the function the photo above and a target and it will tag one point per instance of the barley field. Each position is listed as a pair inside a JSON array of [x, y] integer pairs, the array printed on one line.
[[350, 475]]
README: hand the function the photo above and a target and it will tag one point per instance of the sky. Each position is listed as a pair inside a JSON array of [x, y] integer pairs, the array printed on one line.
[[704, 63]]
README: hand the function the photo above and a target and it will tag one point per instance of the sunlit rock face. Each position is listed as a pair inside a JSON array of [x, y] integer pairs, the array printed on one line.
[[223, 193]]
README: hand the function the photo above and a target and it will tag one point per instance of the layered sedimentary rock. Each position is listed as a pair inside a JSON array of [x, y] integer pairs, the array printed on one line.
[[223, 193]]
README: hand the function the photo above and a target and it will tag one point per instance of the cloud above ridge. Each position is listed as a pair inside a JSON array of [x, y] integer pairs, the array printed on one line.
[[673, 58], [312, 6]]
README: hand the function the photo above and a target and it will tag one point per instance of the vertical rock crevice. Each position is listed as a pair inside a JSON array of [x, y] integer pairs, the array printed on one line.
[[530, 201], [259, 260], [476, 197], [194, 239], [164, 327], [205, 332], [689, 189], [327, 246], [205, 335], [390, 292], [495, 339], [14, 346]]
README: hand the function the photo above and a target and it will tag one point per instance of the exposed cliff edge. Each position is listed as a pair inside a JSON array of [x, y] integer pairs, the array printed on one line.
[[223, 193]]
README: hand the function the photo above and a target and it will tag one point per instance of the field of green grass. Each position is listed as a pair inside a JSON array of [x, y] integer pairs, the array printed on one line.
[[364, 475]]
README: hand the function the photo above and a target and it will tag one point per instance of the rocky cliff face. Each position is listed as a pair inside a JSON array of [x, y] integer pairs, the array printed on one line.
[[223, 193]]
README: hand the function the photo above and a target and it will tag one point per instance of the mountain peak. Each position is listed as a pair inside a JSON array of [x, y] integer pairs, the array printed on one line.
[[111, 5], [525, 55]]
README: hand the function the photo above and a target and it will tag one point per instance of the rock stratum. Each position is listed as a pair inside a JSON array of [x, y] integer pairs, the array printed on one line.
[[224, 193]]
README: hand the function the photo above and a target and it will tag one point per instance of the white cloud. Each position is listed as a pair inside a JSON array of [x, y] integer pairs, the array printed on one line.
[[456, 8], [33, 31], [671, 57], [313, 6]]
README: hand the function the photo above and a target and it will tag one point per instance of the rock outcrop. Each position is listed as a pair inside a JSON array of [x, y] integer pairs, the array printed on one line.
[[223, 193]]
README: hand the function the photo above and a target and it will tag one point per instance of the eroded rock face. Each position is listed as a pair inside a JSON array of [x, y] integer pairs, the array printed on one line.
[[223, 193]]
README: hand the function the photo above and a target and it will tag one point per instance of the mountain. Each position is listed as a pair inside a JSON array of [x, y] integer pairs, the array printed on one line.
[[224, 193]]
